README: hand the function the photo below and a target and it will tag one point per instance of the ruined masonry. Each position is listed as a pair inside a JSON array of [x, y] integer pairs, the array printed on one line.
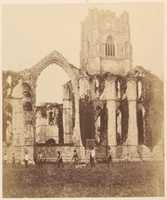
[[107, 102]]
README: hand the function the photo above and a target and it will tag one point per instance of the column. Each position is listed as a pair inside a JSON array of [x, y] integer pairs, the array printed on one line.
[[67, 120], [18, 129], [109, 94], [111, 107], [76, 131], [119, 125], [67, 114], [132, 140]]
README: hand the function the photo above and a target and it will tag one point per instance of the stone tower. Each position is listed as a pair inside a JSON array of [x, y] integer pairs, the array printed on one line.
[[105, 43]]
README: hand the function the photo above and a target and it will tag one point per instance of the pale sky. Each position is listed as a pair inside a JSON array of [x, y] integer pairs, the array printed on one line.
[[50, 85], [30, 32]]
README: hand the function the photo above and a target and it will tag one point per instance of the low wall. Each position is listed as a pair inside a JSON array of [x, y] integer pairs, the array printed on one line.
[[51, 152]]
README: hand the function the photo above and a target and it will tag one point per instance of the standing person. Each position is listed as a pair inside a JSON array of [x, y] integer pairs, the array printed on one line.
[[13, 160], [92, 157], [59, 160], [26, 159], [75, 158], [109, 158], [40, 159]]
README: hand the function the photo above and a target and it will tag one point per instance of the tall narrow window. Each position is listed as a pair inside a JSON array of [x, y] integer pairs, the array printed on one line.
[[109, 47]]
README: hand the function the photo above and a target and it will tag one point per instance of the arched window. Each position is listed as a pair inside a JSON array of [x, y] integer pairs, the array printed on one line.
[[109, 47]]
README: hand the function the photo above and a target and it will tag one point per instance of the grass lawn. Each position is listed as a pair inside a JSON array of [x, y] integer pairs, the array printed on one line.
[[122, 180]]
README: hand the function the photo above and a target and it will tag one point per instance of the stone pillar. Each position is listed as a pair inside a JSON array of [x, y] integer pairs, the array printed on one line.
[[76, 131], [18, 129], [22, 127], [84, 86], [67, 113], [119, 124], [28, 119], [111, 107], [97, 130], [109, 94], [67, 120], [29, 135], [132, 140]]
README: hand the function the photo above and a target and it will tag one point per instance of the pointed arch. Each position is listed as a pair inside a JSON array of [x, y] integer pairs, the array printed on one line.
[[55, 58]]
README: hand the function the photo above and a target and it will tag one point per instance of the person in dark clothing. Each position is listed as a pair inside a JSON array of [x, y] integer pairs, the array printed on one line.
[[75, 158], [59, 160], [40, 159], [51, 118]]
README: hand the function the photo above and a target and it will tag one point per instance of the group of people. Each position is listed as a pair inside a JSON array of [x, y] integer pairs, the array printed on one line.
[[93, 157], [40, 159], [75, 158]]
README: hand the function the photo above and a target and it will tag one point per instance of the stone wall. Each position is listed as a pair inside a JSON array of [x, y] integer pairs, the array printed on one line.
[[68, 113]]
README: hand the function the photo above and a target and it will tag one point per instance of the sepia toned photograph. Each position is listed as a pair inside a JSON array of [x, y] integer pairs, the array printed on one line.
[[83, 100]]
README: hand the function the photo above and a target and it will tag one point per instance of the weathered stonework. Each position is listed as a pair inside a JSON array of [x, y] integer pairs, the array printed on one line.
[[97, 27], [106, 103]]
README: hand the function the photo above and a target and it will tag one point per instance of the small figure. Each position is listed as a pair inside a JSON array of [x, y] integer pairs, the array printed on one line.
[[59, 160], [51, 118], [109, 158], [75, 158], [26, 158], [92, 157], [40, 159]]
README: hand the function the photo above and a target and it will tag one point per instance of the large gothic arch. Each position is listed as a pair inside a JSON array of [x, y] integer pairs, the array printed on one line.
[[31, 75], [56, 58]]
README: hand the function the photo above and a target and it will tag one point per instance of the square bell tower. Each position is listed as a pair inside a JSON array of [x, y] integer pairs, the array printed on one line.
[[105, 43]]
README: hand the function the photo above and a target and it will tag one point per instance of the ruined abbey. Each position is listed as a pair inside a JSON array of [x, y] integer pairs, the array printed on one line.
[[108, 102]]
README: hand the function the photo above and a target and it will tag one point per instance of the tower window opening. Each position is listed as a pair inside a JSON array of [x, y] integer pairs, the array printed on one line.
[[109, 47]]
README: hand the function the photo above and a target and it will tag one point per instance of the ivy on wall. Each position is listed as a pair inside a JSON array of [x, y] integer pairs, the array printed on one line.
[[87, 125], [154, 106]]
